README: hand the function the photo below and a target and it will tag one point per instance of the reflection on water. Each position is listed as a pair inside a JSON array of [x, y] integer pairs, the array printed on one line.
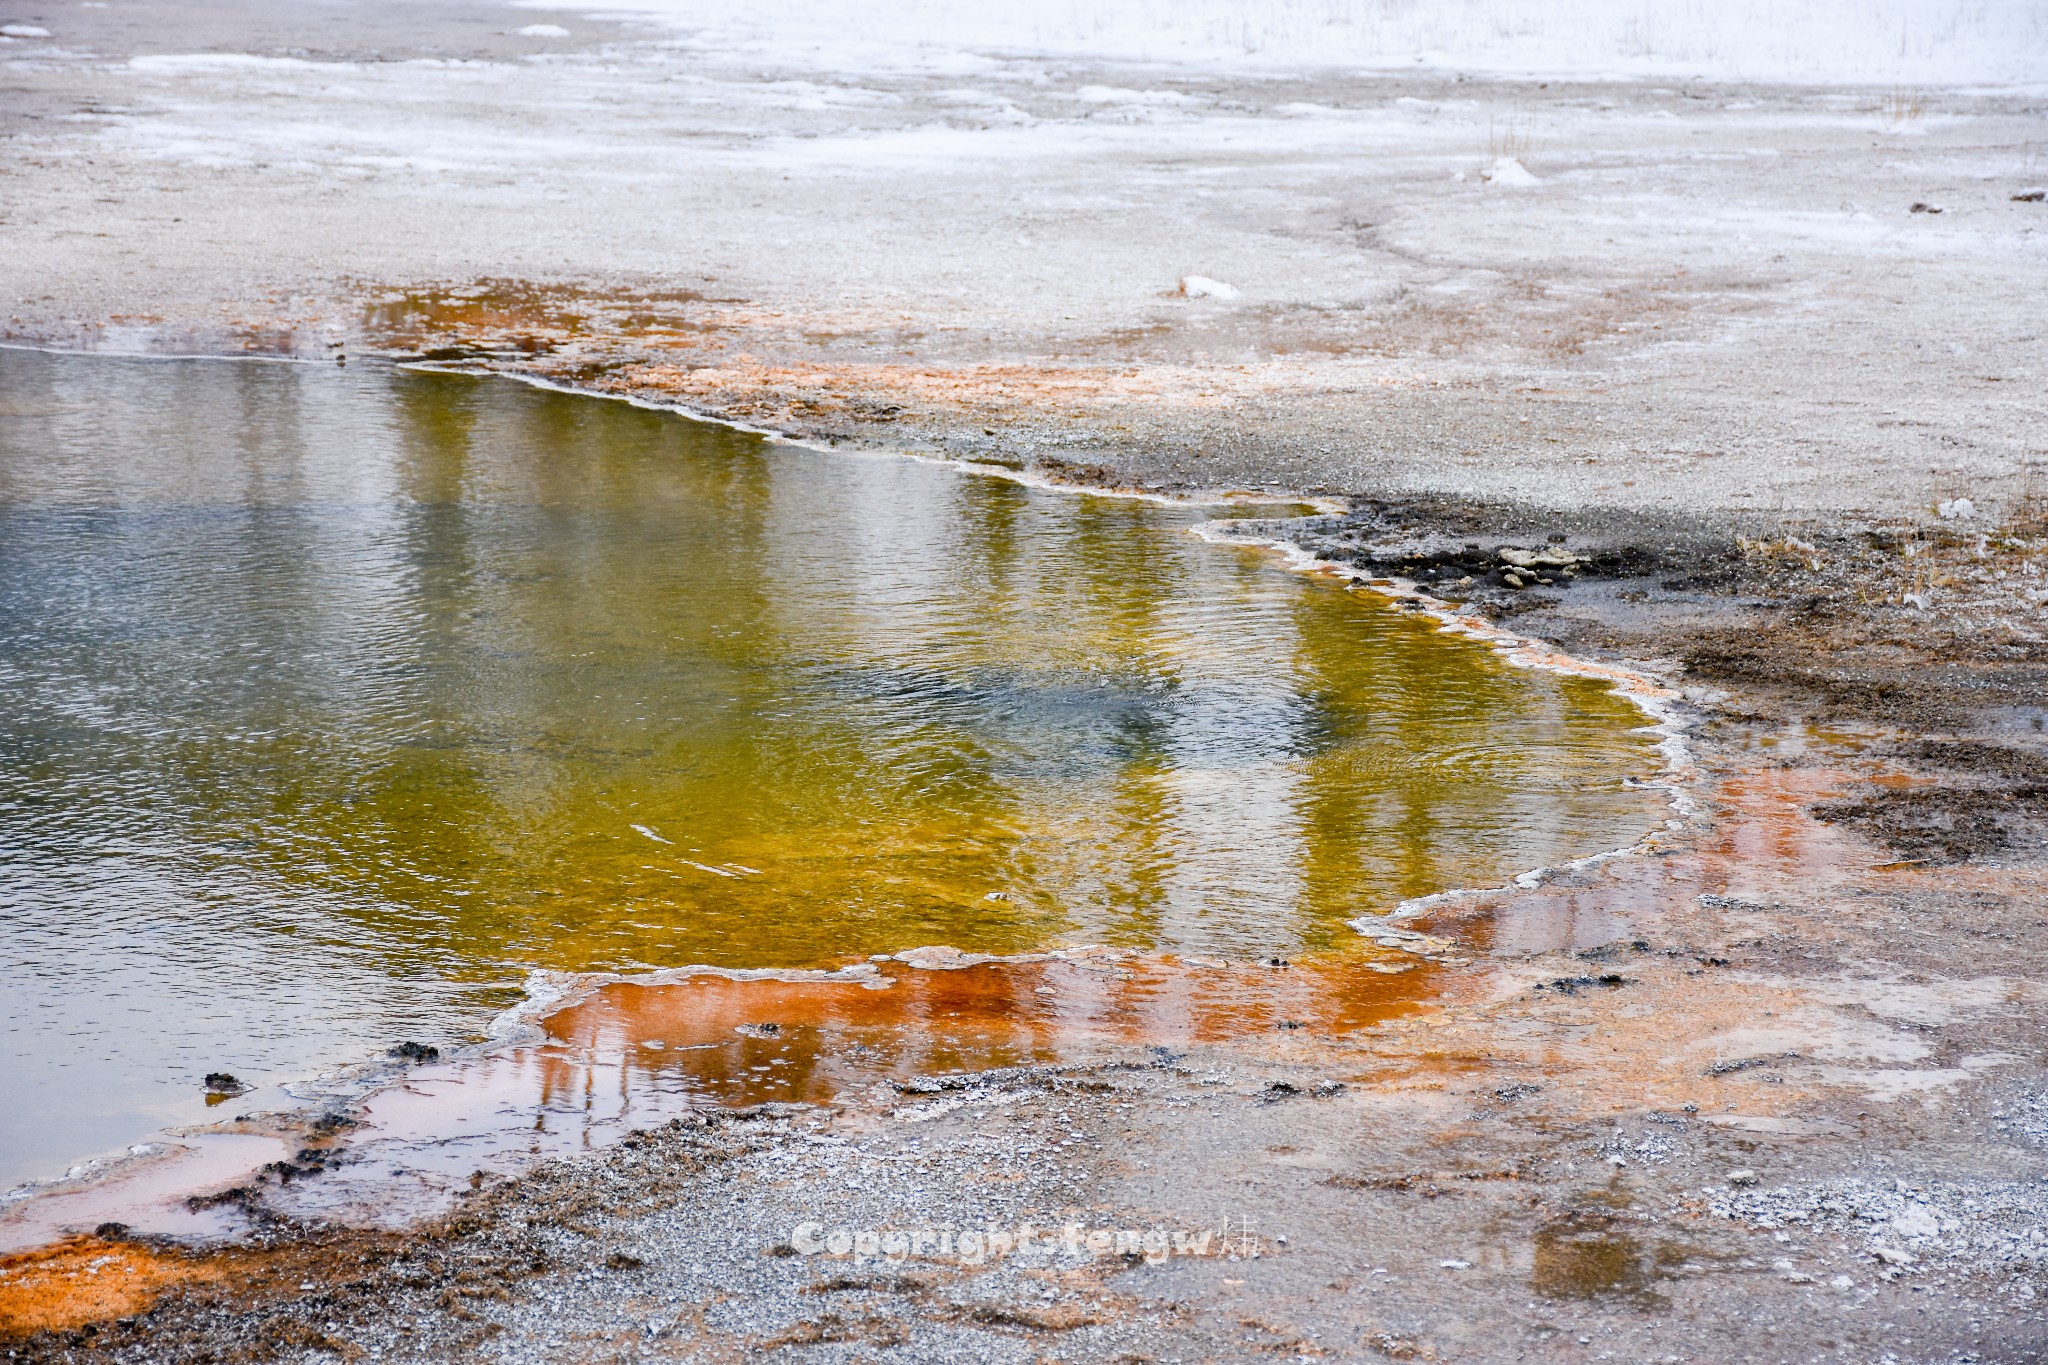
[[633, 1054], [334, 700], [759, 1041], [1589, 1254]]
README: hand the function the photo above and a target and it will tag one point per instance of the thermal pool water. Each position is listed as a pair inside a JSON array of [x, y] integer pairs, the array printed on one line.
[[337, 700]]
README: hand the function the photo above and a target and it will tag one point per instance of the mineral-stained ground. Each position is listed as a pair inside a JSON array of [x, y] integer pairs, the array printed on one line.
[[1753, 373]]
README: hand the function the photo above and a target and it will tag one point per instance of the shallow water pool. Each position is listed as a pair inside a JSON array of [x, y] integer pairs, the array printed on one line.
[[333, 701]]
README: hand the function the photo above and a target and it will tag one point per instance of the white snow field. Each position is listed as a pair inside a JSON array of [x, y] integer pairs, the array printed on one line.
[[1862, 41]]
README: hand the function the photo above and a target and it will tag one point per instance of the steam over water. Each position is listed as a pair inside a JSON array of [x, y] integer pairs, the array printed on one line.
[[330, 702]]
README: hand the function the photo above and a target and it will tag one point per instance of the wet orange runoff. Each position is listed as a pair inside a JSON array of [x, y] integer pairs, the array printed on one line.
[[750, 1042], [88, 1280], [629, 1055]]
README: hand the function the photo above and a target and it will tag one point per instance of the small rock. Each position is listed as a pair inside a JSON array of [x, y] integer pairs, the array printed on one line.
[[2030, 196], [1550, 558], [1454, 1265], [409, 1051], [1921, 206], [1890, 1255], [221, 1083], [1743, 1177]]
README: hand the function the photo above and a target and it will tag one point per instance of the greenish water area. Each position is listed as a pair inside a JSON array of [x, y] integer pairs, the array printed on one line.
[[331, 701]]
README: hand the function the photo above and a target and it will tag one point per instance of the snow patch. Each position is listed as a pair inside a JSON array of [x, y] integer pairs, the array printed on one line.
[[1202, 287], [1908, 42], [1113, 94], [173, 63], [543, 31], [1510, 174]]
